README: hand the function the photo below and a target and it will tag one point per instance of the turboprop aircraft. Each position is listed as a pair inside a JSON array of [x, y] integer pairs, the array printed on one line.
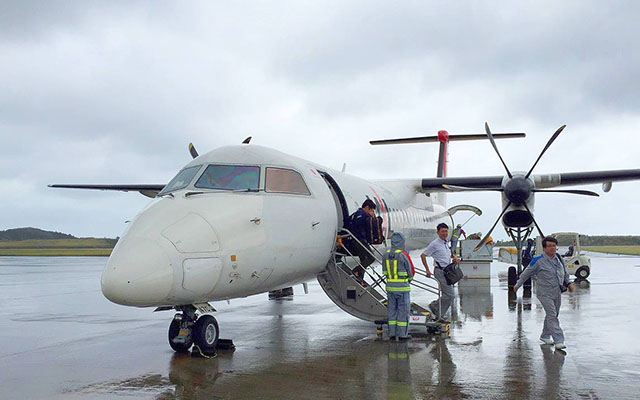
[[246, 219]]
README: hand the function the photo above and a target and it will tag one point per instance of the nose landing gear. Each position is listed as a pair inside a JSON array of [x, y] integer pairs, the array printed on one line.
[[187, 329]]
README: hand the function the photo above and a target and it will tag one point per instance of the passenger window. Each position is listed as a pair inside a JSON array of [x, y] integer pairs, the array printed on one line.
[[279, 180]]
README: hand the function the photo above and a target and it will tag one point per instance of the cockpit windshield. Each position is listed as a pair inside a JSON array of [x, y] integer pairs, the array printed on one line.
[[230, 177], [181, 180]]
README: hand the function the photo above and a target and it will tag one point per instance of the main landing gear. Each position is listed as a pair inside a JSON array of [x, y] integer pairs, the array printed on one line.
[[187, 329]]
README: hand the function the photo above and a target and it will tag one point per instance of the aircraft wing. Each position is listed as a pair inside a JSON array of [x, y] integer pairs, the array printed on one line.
[[494, 183], [149, 190], [584, 178]]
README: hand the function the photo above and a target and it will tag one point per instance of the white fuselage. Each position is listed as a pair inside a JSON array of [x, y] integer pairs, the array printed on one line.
[[196, 245]]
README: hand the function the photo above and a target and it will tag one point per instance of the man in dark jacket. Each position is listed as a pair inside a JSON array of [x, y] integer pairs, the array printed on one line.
[[361, 224]]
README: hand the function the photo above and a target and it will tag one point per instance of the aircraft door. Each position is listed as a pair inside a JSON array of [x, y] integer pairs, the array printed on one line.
[[338, 198]]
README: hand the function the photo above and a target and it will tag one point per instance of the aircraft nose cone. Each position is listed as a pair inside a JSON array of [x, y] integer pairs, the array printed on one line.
[[138, 273]]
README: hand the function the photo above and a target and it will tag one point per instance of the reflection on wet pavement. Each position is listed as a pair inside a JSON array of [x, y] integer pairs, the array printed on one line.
[[80, 345]]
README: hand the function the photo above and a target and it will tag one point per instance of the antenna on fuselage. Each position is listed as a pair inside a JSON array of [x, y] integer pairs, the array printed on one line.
[[247, 140]]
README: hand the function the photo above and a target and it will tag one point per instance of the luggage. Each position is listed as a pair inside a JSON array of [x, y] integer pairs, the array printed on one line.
[[376, 231], [366, 228], [452, 273]]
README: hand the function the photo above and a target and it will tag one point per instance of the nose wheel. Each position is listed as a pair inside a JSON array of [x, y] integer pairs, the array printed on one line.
[[206, 334], [187, 329]]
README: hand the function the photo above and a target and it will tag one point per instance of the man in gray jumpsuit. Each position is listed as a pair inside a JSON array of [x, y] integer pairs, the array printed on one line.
[[398, 269], [552, 278]]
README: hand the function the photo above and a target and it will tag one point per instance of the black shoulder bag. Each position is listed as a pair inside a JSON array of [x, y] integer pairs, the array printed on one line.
[[452, 273]]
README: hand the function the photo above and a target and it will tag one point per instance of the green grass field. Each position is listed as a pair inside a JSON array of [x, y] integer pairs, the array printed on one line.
[[55, 252], [57, 247], [629, 250]]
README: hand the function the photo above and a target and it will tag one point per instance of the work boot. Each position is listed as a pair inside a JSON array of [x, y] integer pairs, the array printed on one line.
[[404, 338], [433, 314], [392, 338], [560, 346]]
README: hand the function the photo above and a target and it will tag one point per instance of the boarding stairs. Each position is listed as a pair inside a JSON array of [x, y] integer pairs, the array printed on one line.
[[368, 300]]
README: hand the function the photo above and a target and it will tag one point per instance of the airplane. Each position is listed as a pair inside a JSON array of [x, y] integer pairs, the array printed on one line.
[[246, 219]]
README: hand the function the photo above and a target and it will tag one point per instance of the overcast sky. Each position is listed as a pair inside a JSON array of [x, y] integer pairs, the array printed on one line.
[[113, 92]]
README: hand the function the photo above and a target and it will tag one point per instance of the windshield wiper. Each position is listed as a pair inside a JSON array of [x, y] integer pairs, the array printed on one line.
[[189, 194]]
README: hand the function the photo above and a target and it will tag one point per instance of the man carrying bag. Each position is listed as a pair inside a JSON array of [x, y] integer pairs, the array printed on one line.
[[440, 250]]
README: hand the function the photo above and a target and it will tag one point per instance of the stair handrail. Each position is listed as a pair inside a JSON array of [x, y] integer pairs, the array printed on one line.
[[377, 281], [434, 289]]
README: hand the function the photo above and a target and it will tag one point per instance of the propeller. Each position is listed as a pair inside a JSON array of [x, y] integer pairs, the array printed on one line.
[[519, 189], [192, 150], [493, 143]]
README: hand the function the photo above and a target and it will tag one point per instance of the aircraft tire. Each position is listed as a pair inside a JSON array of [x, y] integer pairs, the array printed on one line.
[[512, 277], [174, 329], [206, 333], [583, 273]]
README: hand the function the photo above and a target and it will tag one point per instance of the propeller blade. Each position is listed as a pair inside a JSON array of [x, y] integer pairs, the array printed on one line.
[[534, 220], [484, 239], [192, 150], [493, 143], [455, 188], [581, 192], [553, 138]]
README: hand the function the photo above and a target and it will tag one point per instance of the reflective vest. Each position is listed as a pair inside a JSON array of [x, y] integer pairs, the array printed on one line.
[[397, 281]]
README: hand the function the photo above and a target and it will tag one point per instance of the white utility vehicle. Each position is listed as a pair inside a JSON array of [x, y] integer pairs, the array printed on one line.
[[577, 263]]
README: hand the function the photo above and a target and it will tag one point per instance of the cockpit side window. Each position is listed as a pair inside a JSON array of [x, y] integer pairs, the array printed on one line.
[[181, 180], [229, 177], [280, 180]]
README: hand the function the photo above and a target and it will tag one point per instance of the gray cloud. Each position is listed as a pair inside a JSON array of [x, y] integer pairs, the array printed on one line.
[[113, 91]]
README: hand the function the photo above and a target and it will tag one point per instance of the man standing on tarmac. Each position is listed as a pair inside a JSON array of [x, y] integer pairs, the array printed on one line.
[[552, 279], [441, 252], [398, 269]]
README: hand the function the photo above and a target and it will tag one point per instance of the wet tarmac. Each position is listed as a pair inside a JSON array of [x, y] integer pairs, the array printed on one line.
[[61, 339]]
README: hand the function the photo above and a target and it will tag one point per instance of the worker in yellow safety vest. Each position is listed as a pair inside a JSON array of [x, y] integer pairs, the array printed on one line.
[[399, 271]]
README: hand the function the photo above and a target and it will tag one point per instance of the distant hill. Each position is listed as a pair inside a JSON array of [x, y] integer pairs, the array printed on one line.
[[596, 240], [32, 233]]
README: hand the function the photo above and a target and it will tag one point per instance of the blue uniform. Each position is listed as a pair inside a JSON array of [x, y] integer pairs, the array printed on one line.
[[551, 275], [398, 270]]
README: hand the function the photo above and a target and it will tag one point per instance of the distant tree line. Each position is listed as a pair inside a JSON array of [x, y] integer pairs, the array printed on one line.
[[587, 240], [32, 233]]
